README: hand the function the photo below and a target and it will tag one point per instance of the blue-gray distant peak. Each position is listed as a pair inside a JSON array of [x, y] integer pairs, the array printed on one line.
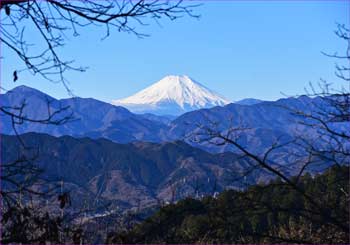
[[26, 91], [248, 101]]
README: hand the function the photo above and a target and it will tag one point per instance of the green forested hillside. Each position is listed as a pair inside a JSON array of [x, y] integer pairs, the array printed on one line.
[[270, 213]]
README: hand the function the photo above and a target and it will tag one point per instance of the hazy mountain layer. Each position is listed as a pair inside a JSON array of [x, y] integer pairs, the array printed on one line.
[[91, 117], [267, 121]]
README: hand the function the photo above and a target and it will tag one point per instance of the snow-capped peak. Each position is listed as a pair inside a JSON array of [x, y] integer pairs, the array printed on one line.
[[172, 95]]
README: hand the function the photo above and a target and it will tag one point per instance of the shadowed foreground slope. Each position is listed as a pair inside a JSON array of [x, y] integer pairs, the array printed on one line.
[[272, 213]]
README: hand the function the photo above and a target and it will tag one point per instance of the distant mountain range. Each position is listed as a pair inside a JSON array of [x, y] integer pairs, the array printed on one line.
[[172, 95], [248, 101], [95, 119], [92, 117]]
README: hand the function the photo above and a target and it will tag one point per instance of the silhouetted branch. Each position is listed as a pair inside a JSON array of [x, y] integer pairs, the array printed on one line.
[[54, 19]]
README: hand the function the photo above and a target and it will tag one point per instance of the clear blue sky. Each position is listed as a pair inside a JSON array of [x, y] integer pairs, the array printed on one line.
[[239, 49]]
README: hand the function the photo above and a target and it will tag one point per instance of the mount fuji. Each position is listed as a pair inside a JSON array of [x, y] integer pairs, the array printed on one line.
[[172, 95]]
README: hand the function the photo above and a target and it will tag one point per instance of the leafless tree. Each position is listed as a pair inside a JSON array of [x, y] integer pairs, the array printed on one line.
[[54, 20], [324, 140]]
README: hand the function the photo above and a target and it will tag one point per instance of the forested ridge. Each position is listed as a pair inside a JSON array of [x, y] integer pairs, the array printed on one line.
[[270, 213]]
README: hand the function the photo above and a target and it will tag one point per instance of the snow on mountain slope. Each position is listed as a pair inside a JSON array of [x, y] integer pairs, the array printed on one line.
[[172, 95]]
